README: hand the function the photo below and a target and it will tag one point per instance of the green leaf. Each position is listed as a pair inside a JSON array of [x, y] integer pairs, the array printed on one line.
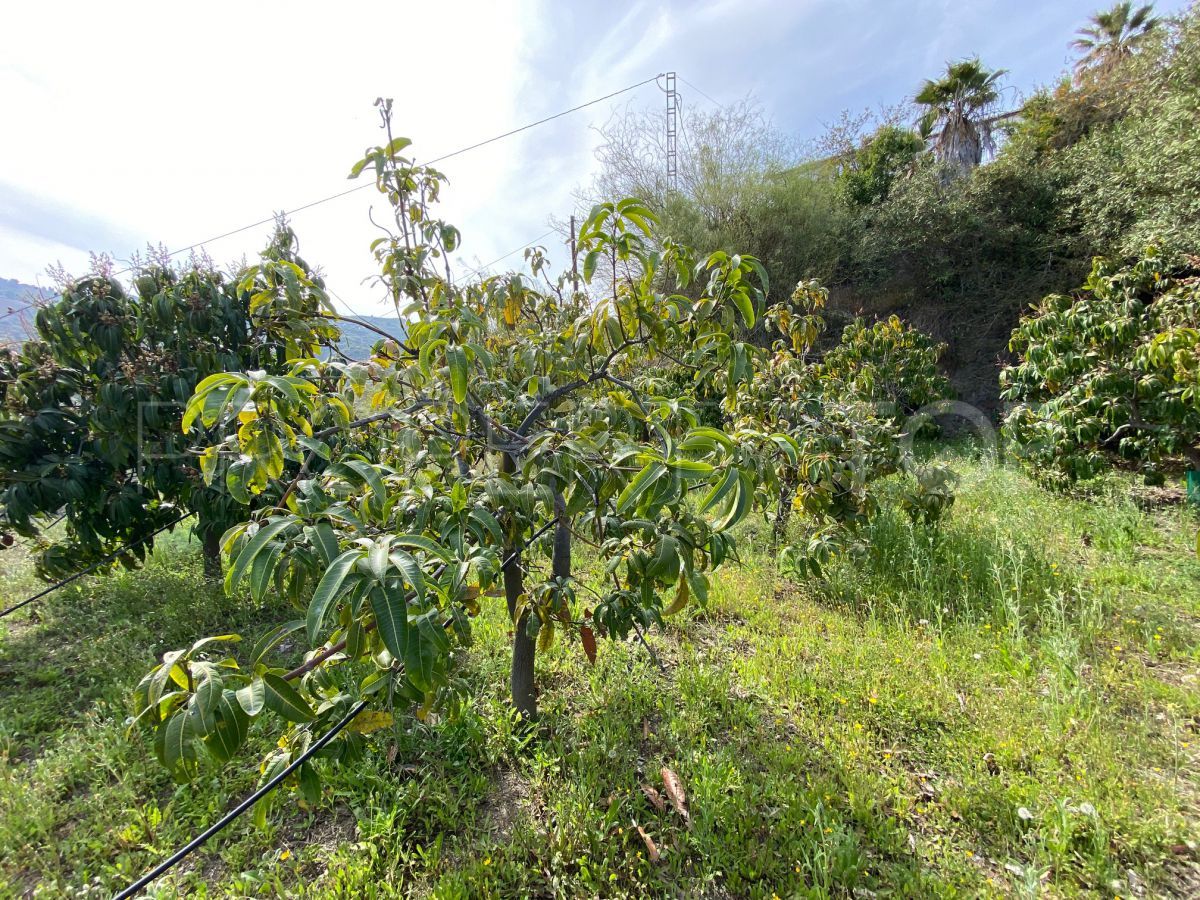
[[489, 522], [391, 617], [282, 698], [456, 359], [396, 145], [649, 474], [745, 307], [327, 591], [411, 570], [309, 784], [423, 543], [271, 639], [375, 563], [204, 702], [370, 474], [229, 733], [427, 641], [320, 448], [690, 470], [589, 264], [253, 697], [713, 434], [264, 535], [216, 638], [326, 542], [740, 505], [178, 752], [718, 492], [262, 571], [284, 387]]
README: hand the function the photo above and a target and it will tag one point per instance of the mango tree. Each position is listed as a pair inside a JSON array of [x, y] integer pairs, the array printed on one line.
[[844, 414], [1111, 372], [92, 406], [520, 414]]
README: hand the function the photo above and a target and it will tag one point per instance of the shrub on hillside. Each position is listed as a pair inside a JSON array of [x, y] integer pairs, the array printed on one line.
[[1112, 371]]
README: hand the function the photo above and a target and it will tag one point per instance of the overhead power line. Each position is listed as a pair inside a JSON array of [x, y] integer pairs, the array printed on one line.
[[443, 158], [532, 243], [707, 97], [359, 187]]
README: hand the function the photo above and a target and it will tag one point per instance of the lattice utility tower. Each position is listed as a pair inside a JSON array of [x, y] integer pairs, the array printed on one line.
[[672, 133]]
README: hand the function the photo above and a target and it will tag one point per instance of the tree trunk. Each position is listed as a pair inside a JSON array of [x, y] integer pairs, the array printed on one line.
[[783, 515], [524, 693], [560, 565], [211, 548]]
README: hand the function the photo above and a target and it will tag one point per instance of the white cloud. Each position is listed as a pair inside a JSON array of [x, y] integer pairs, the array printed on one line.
[[173, 123], [135, 121]]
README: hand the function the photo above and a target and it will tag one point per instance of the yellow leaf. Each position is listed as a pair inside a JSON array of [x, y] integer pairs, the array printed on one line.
[[681, 597], [370, 720]]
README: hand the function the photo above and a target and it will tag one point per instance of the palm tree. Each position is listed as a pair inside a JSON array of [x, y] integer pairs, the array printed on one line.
[[1113, 36], [955, 117]]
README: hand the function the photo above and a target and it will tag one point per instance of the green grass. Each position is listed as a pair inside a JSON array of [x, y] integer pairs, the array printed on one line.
[[1004, 706]]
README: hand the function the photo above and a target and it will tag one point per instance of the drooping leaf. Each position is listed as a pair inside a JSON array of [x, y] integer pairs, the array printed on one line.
[[280, 697], [327, 591], [229, 733], [391, 616], [456, 359], [588, 638], [254, 546]]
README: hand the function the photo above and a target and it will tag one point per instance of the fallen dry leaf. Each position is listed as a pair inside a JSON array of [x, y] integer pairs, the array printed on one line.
[[654, 797], [651, 848], [675, 794]]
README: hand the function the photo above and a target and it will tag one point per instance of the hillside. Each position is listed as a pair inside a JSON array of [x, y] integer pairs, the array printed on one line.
[[16, 325], [957, 240], [357, 341], [14, 295]]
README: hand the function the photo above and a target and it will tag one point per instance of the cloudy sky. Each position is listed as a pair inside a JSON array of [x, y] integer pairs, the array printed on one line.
[[127, 122]]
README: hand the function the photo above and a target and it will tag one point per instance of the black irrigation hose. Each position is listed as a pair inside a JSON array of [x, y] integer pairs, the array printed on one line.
[[242, 807], [94, 566], [176, 857]]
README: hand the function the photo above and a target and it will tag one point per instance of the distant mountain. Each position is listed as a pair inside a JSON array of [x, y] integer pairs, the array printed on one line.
[[357, 341], [16, 323], [15, 295]]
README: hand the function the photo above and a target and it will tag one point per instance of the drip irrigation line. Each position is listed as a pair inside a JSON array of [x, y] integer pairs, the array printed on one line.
[[198, 841], [94, 566], [242, 807]]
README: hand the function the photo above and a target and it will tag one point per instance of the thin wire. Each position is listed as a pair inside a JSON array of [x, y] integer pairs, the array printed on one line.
[[94, 566], [359, 187], [511, 252], [700, 92], [431, 162], [220, 825], [348, 191]]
